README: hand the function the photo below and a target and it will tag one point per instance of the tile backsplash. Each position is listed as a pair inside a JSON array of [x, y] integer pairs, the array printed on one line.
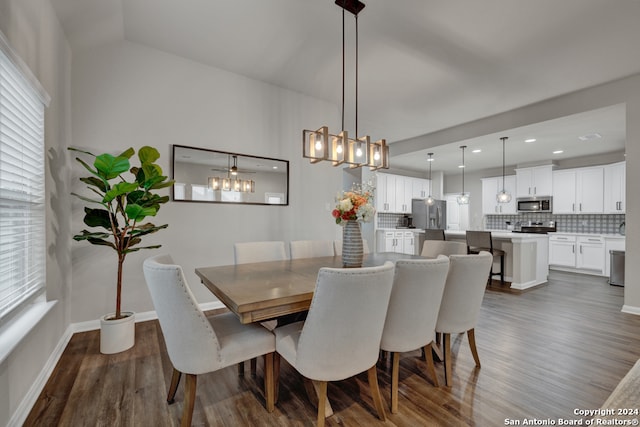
[[583, 223], [388, 220]]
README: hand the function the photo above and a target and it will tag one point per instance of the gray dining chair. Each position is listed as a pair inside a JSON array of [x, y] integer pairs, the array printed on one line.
[[461, 301], [412, 314], [341, 335], [198, 344]]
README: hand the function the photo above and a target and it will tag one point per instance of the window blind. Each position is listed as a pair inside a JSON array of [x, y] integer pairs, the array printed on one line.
[[22, 195]]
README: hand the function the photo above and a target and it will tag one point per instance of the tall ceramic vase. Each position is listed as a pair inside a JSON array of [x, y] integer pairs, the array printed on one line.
[[352, 251]]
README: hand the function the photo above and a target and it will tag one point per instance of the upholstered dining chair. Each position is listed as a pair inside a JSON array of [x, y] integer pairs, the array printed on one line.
[[461, 301], [246, 252], [337, 247], [198, 344], [413, 310], [311, 248], [341, 335], [433, 248], [481, 241], [434, 234]]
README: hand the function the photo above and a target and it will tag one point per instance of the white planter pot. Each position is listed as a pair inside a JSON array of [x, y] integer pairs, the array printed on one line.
[[117, 335]]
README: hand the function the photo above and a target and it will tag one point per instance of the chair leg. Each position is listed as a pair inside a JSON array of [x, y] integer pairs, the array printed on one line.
[[175, 380], [502, 269], [472, 343], [240, 369], [189, 400], [395, 372], [276, 377], [375, 392], [254, 363], [446, 349], [269, 385], [428, 357], [321, 389]]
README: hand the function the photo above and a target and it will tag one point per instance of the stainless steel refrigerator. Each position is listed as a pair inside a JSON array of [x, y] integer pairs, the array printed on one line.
[[429, 216]]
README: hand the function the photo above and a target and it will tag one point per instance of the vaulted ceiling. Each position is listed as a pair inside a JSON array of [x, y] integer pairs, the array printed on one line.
[[425, 65]]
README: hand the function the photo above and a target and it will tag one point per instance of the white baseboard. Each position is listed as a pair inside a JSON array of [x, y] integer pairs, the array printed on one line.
[[631, 309], [22, 412]]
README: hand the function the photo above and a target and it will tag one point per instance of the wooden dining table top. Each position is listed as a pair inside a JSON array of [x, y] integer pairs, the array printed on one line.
[[261, 291]]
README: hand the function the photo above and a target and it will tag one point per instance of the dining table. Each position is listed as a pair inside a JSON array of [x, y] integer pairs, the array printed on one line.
[[256, 292]]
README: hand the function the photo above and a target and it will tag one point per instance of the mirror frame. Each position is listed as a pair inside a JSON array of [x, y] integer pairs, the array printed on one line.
[[173, 175]]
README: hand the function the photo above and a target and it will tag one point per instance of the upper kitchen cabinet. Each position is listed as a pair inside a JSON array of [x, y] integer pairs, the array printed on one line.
[[534, 181], [394, 193], [578, 191], [420, 188], [615, 188], [490, 189]]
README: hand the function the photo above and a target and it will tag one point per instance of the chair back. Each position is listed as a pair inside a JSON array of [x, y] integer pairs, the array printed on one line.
[[337, 247], [311, 248], [463, 292], [247, 252], [414, 304], [187, 332], [434, 234], [433, 248], [341, 335], [478, 240]]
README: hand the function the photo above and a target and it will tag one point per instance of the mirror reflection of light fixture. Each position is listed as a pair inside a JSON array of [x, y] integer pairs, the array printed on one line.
[[234, 168], [463, 198], [503, 196], [229, 183], [319, 145], [430, 200]]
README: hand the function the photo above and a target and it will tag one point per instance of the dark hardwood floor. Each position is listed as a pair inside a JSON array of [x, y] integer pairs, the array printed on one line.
[[544, 352]]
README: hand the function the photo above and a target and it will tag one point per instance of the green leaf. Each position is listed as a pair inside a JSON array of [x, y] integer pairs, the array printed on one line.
[[101, 242], [127, 153], [138, 213], [95, 182], [86, 235], [147, 229], [163, 185], [86, 199], [97, 218], [132, 241], [143, 247], [148, 154], [80, 151], [109, 166], [119, 189]]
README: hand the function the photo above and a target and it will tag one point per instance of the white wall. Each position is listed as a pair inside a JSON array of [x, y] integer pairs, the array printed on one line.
[[625, 91], [35, 34], [125, 94]]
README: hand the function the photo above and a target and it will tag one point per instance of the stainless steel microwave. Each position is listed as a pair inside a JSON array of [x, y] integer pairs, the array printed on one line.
[[535, 204]]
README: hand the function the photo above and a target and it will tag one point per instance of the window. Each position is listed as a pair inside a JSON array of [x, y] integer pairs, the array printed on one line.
[[22, 196]]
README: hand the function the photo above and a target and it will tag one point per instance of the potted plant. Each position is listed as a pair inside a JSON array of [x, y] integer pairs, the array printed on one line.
[[118, 212]]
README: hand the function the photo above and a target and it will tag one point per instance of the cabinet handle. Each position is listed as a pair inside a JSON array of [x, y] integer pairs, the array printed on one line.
[[573, 249], [535, 190], [580, 207], [573, 207], [593, 240], [529, 190], [580, 248]]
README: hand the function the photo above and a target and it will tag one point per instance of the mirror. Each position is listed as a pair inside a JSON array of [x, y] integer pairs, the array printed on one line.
[[212, 176]]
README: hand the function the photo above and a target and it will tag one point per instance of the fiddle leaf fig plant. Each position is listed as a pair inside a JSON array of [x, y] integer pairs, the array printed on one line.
[[123, 197]]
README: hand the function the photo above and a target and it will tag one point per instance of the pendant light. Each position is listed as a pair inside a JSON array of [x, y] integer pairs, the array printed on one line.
[[234, 168], [320, 145], [463, 198], [430, 200], [503, 196]]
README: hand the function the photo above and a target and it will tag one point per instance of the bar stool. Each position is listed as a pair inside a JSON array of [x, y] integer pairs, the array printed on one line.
[[478, 241]]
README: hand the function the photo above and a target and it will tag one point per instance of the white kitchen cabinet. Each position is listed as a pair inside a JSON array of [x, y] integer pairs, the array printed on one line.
[[420, 188], [393, 193], [578, 190], [490, 189], [584, 253], [409, 243], [562, 250], [534, 181], [615, 188], [404, 188], [590, 254], [402, 242], [382, 195]]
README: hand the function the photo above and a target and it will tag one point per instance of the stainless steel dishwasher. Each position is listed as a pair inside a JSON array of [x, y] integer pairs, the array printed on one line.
[[616, 274]]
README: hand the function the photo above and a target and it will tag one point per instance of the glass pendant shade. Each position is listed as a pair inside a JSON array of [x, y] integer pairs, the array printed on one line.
[[503, 196], [430, 200], [463, 198]]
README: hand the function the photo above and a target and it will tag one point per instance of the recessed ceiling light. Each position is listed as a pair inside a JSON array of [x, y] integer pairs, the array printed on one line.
[[558, 152], [460, 166], [275, 167], [430, 159], [590, 137], [530, 140], [477, 150]]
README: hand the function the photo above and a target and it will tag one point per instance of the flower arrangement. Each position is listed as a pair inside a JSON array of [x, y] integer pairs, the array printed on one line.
[[354, 205]]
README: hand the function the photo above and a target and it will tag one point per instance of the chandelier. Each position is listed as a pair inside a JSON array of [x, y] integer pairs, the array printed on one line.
[[231, 182], [319, 145]]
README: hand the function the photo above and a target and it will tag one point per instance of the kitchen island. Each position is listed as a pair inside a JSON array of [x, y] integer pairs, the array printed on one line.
[[526, 256]]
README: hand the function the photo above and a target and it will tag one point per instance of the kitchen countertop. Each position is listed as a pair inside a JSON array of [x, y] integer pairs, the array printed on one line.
[[606, 236]]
